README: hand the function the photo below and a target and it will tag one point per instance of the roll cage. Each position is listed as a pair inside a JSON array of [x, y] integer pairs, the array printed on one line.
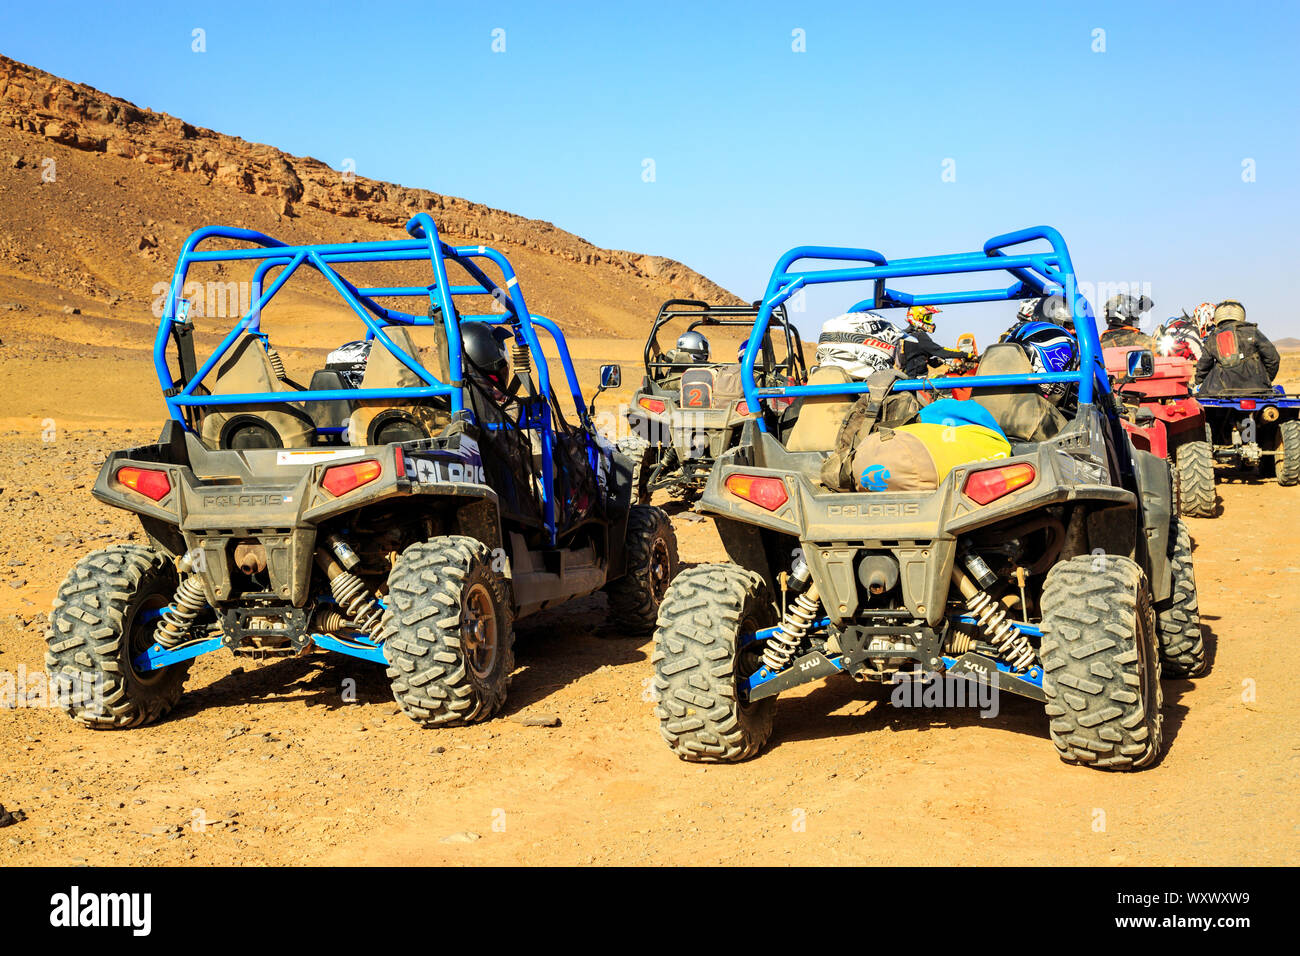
[[701, 314], [1036, 273], [183, 393]]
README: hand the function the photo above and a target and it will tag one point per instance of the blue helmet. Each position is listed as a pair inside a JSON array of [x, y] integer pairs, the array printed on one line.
[[1051, 349]]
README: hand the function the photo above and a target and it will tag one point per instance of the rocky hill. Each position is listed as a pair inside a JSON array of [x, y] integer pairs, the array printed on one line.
[[92, 187]]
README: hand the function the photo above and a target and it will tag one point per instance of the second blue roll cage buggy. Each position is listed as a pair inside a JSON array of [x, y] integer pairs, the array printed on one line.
[[1037, 273], [276, 264]]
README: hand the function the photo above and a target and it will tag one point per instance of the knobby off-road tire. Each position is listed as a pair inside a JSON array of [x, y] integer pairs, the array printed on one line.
[[638, 449], [1194, 467], [1178, 617], [697, 661], [448, 632], [1101, 666], [634, 599], [97, 627], [1287, 464]]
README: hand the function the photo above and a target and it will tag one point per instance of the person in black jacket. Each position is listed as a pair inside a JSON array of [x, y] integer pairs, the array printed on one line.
[[919, 349], [1237, 356]]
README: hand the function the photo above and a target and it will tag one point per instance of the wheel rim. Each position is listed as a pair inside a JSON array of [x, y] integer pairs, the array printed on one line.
[[140, 635], [660, 570], [479, 631]]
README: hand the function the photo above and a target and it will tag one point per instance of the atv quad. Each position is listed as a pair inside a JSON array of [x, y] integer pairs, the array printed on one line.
[[1161, 416], [1256, 432], [408, 520], [685, 413], [1060, 573]]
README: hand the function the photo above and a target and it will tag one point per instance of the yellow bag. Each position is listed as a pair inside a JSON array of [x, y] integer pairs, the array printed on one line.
[[917, 457]]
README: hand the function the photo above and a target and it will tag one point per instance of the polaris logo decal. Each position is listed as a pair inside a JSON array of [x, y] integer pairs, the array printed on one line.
[[434, 469], [245, 501], [901, 509]]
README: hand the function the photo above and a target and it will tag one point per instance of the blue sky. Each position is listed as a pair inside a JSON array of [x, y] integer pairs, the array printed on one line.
[[1135, 153]]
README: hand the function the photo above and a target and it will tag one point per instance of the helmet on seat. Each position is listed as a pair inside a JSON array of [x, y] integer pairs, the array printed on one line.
[[1050, 349], [695, 345]]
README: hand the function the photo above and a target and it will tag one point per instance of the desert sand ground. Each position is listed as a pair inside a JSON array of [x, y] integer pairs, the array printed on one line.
[[272, 764]]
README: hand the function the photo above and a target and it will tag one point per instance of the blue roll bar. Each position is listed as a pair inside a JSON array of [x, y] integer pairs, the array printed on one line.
[[424, 244], [1036, 273]]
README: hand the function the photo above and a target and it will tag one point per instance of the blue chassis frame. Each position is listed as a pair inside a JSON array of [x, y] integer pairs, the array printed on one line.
[[424, 243], [1036, 273], [1279, 399]]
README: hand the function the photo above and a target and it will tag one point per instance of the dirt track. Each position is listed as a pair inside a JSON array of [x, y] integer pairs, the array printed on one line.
[[269, 764]]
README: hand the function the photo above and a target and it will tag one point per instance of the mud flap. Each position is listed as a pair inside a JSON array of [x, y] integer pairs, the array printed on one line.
[[1155, 504]]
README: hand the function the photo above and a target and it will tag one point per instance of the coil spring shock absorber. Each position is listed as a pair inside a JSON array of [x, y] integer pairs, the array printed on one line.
[[277, 364], [354, 599], [1013, 647], [356, 602], [789, 634], [188, 602], [795, 623]]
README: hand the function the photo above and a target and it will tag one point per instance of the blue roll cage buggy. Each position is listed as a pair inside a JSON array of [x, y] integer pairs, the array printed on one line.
[[1036, 274], [424, 243]]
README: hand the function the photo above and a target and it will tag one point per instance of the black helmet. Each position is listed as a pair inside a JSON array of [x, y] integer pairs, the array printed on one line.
[[1126, 309], [483, 348]]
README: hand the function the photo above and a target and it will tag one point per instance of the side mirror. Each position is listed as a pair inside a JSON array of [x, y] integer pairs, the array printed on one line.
[[1141, 364], [611, 376]]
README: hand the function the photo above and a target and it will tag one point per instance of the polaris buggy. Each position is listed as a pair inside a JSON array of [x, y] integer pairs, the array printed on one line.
[[1257, 432], [1163, 417], [687, 412], [405, 512], [1060, 572]]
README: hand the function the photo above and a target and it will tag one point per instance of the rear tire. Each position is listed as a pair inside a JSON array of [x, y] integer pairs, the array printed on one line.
[[1101, 666], [98, 626], [1194, 463], [448, 632], [652, 563], [638, 449], [1288, 461], [698, 662], [1178, 617]]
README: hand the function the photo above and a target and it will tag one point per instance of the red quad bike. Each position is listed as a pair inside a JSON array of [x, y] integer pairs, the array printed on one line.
[[1162, 417]]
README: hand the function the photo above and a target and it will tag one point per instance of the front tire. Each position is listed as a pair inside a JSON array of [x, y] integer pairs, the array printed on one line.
[[652, 563], [1178, 617], [698, 663], [448, 632], [1101, 666], [1194, 464], [104, 615], [1288, 461]]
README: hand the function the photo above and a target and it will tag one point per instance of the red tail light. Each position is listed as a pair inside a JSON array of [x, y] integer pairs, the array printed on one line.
[[399, 460], [742, 408], [768, 493], [652, 405], [148, 482], [1247, 404], [340, 479], [992, 483]]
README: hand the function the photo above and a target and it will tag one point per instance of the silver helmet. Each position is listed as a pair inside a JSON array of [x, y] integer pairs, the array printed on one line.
[[695, 345]]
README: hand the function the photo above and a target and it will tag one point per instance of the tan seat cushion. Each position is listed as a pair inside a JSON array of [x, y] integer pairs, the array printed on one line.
[[246, 368], [820, 416], [1021, 411], [385, 370]]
